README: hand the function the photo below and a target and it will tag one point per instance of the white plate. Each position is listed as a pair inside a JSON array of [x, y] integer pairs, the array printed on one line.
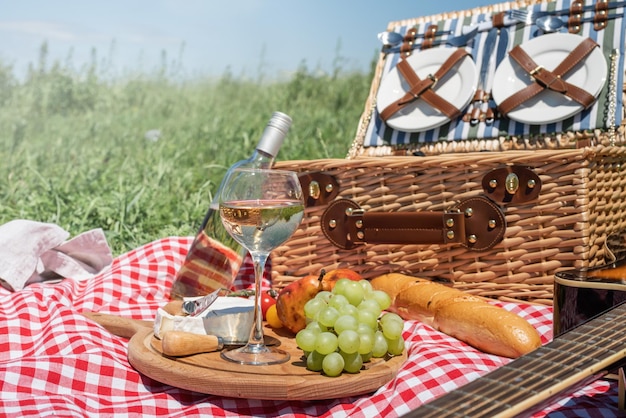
[[458, 88], [549, 106]]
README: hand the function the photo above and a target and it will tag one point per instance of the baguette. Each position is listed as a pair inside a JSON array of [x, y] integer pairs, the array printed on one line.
[[468, 318]]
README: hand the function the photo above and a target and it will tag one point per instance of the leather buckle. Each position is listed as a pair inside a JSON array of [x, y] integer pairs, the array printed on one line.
[[434, 79], [535, 71]]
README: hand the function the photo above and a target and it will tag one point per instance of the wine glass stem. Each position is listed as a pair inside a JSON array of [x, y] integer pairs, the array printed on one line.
[[256, 334]]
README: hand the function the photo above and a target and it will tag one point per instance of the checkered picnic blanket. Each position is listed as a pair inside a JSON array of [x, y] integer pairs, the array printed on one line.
[[56, 362]]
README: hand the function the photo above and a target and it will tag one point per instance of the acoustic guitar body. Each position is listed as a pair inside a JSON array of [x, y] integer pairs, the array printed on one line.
[[582, 294], [578, 298]]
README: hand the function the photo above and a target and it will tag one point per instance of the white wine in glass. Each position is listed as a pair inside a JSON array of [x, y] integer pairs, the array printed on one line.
[[260, 209]]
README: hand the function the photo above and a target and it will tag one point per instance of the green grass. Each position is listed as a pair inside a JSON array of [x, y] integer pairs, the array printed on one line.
[[74, 151]]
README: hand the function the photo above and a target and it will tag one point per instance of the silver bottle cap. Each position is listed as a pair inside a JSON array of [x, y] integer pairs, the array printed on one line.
[[274, 133]]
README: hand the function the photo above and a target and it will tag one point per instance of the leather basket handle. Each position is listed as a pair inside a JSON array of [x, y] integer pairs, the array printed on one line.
[[476, 223]]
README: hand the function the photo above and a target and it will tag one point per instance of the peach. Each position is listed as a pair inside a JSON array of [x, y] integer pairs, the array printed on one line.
[[292, 298], [330, 278]]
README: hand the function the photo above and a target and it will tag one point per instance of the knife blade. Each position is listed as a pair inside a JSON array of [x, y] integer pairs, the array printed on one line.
[[501, 50], [195, 307], [488, 47], [503, 46]]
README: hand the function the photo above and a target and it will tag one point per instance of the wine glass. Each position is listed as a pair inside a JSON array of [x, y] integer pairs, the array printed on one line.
[[260, 209]]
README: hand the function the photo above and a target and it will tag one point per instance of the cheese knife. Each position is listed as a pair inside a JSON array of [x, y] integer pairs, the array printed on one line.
[[172, 343]]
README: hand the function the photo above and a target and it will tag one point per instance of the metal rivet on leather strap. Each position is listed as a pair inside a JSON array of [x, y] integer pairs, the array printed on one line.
[[492, 223], [477, 237], [334, 223], [493, 183], [329, 188], [359, 223], [450, 234], [531, 183], [469, 212], [449, 222]]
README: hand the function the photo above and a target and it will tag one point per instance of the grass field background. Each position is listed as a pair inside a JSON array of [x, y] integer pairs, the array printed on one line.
[[74, 149]]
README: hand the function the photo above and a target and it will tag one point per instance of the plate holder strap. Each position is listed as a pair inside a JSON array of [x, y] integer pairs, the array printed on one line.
[[574, 22], [545, 79], [600, 16], [424, 88]]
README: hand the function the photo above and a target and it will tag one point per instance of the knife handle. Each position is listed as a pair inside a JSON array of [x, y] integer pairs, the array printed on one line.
[[181, 343]]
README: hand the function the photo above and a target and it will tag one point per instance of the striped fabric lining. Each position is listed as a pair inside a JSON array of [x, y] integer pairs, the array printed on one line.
[[612, 37]]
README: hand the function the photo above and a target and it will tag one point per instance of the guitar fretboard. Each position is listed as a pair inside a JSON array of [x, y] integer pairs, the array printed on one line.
[[580, 355]]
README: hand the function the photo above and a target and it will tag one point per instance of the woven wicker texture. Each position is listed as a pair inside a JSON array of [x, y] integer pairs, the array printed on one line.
[[582, 200]]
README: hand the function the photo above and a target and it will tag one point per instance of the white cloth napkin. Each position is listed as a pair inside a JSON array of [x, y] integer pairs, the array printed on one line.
[[32, 252]]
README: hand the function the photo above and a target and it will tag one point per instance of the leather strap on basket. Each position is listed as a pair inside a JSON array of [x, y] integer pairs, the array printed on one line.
[[574, 22], [410, 35], [545, 79], [423, 89], [429, 39], [600, 17], [498, 20], [476, 223]]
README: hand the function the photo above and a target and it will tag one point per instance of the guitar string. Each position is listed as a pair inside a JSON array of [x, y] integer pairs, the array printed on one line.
[[513, 395], [577, 358], [541, 365], [607, 333], [504, 394]]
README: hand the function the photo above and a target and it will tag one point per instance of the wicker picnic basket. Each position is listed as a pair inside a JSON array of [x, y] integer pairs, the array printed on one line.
[[578, 192]]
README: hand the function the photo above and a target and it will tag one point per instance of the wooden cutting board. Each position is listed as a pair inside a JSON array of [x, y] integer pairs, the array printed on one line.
[[209, 373]]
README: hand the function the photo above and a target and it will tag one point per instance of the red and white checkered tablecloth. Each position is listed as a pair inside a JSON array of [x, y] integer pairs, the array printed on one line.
[[55, 362]]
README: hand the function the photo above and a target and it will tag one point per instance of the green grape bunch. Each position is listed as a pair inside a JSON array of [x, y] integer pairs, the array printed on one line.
[[347, 327]]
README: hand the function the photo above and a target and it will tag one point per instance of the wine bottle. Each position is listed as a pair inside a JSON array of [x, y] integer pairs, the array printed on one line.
[[215, 258]]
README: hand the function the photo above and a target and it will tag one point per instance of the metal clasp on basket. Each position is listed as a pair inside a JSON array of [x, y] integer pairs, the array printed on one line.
[[512, 184], [318, 188]]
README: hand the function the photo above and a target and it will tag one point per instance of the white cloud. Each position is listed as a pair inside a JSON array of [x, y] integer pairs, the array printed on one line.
[[54, 31], [50, 30]]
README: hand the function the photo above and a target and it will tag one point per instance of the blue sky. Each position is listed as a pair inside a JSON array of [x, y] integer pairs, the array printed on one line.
[[249, 37]]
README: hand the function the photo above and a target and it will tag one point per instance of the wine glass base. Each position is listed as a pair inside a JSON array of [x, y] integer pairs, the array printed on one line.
[[256, 355]]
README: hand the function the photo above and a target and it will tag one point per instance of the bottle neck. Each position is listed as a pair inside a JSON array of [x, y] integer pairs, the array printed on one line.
[[260, 159], [265, 151]]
